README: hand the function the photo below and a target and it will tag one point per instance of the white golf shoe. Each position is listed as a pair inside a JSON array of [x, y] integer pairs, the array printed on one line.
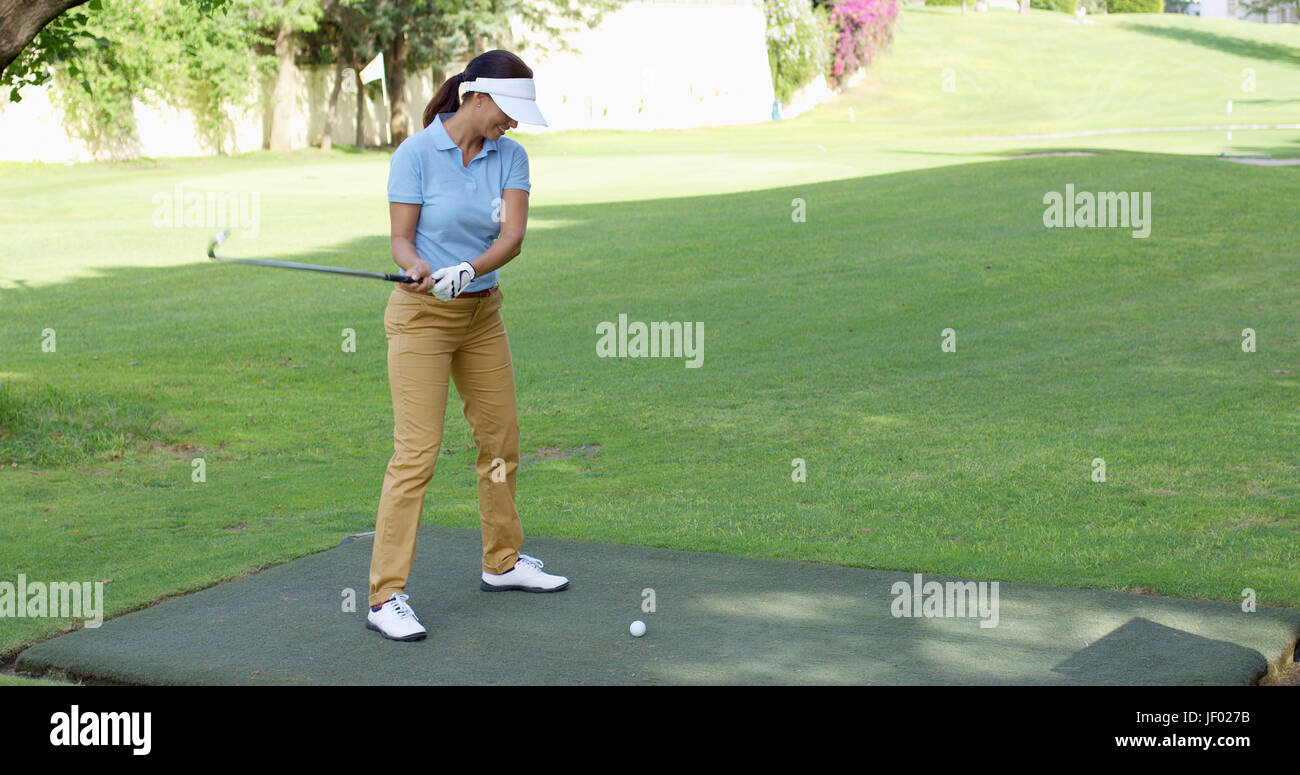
[[395, 620], [526, 575]]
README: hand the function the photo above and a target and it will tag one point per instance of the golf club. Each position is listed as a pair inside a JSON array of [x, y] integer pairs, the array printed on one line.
[[220, 237]]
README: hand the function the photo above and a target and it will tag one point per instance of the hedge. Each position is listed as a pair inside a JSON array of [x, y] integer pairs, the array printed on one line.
[[1064, 6], [1135, 6]]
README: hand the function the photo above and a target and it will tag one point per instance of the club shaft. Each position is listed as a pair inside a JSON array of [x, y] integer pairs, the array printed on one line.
[[396, 278]]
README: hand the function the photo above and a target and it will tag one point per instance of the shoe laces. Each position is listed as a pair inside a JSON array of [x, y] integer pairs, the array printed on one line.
[[533, 561], [400, 609]]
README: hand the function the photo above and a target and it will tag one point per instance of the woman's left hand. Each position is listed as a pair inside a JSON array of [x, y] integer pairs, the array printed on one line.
[[450, 281]]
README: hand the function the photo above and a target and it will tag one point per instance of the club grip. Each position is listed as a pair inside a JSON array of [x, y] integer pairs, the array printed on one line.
[[400, 278]]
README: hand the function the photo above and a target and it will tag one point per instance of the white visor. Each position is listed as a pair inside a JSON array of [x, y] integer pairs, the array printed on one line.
[[515, 96]]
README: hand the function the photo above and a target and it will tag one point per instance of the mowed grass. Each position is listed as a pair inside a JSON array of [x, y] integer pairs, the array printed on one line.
[[821, 341], [1012, 76], [16, 680]]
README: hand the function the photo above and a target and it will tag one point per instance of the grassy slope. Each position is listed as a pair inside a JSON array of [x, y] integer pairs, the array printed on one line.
[[1073, 345]]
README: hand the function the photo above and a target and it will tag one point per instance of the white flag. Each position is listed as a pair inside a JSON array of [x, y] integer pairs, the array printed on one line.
[[375, 70]]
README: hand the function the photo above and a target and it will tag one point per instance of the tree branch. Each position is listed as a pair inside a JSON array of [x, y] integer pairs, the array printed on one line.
[[20, 20]]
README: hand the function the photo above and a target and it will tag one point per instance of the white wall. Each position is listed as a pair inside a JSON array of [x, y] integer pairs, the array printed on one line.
[[32, 130], [656, 65]]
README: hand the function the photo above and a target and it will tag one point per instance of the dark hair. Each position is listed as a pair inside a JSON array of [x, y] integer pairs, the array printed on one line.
[[497, 63]]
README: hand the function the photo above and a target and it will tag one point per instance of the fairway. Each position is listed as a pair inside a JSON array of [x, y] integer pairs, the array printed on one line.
[[822, 338]]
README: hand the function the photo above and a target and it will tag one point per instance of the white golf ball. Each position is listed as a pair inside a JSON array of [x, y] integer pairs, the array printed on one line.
[[637, 629]]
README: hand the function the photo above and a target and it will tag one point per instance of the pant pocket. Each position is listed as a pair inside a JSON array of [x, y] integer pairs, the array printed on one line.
[[400, 312]]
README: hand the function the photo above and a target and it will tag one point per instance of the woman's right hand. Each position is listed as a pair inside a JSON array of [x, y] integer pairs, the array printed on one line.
[[423, 274]]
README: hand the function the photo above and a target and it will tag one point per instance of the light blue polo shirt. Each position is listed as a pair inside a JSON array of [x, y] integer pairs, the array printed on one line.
[[458, 202]]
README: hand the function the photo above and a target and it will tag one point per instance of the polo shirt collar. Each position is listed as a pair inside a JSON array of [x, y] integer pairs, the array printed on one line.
[[443, 142]]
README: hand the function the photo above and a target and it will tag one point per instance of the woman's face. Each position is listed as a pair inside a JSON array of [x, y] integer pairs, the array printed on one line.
[[489, 120]]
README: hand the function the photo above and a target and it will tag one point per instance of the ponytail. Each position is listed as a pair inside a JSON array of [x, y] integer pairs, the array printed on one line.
[[447, 100], [497, 63]]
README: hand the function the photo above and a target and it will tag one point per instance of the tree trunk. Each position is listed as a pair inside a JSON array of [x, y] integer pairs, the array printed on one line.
[[327, 137], [282, 100], [20, 20], [341, 55], [395, 63], [361, 106]]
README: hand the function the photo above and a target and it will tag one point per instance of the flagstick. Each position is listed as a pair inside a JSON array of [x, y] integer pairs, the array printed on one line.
[[388, 113]]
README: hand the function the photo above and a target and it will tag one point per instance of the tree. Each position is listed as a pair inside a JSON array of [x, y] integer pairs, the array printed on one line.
[[338, 45], [417, 34], [35, 45], [31, 43], [1262, 7], [286, 18], [430, 33], [106, 57], [408, 33], [343, 39], [214, 62]]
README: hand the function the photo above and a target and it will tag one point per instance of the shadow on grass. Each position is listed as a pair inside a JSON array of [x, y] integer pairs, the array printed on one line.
[[1228, 44], [1276, 151], [914, 152], [1263, 102], [1041, 152]]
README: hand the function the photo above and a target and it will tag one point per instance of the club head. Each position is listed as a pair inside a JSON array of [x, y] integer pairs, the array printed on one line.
[[217, 239]]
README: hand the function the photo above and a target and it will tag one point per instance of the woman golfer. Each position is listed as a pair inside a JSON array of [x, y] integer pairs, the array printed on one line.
[[453, 188]]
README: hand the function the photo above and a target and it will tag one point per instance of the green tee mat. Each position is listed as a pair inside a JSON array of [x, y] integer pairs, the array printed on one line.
[[718, 619]]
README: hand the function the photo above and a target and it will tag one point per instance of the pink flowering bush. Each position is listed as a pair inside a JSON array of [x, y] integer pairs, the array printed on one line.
[[863, 28]]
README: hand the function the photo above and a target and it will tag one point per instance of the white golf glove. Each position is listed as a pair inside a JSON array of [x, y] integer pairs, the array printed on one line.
[[449, 282]]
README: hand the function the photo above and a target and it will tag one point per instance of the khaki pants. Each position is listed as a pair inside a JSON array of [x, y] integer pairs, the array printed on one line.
[[428, 341]]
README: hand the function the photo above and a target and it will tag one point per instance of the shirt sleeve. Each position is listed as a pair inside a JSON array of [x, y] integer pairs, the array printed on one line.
[[517, 177], [404, 181]]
